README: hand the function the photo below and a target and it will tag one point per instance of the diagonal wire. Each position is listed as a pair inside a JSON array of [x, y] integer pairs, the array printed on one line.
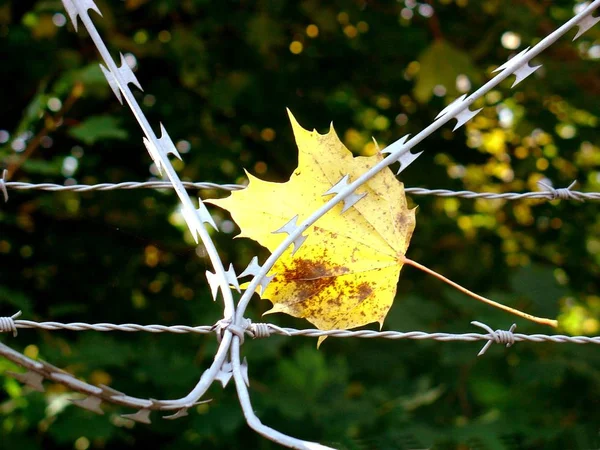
[[119, 79]]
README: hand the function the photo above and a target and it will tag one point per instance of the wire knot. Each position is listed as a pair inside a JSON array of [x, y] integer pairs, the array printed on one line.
[[3, 185], [8, 324], [496, 337], [259, 330], [229, 325], [254, 330], [560, 193]]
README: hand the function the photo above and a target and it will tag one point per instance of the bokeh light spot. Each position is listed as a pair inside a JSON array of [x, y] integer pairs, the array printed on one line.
[[296, 47], [510, 40], [267, 134], [312, 31], [82, 443]]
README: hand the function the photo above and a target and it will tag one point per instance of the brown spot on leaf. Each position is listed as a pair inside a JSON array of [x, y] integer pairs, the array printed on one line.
[[311, 277], [401, 220], [306, 269], [364, 291], [334, 301]]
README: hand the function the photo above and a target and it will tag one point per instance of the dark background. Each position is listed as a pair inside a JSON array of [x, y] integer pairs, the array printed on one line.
[[219, 75]]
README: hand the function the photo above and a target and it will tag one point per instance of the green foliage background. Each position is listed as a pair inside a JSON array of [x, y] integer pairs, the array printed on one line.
[[219, 75]]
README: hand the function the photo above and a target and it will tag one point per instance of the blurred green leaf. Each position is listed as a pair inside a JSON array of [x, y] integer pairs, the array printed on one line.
[[538, 284], [440, 64], [43, 167], [17, 300], [74, 423], [98, 128]]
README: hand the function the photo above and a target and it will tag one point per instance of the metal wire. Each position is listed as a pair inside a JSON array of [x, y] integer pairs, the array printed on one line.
[[38, 371], [3, 185], [549, 194], [126, 327], [227, 363], [267, 329], [116, 186]]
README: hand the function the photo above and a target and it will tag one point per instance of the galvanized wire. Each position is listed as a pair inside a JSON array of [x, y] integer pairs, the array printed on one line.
[[9, 324], [116, 186], [38, 371], [126, 327], [232, 329], [549, 193]]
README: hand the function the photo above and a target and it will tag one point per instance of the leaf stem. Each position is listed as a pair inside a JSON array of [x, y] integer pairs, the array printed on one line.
[[540, 320]]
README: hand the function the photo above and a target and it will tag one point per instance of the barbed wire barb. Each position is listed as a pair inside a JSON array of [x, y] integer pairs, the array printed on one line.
[[8, 323], [561, 193], [3, 185], [498, 336]]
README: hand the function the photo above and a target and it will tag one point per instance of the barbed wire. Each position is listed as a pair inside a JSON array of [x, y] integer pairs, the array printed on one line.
[[38, 371], [549, 192], [227, 363], [126, 327], [263, 330], [117, 186]]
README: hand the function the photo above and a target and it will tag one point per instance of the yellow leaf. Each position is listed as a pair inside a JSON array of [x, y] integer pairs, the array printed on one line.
[[345, 274]]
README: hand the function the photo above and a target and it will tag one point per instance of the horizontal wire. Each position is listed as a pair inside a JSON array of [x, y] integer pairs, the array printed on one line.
[[310, 332], [116, 186], [549, 194], [127, 327], [444, 337]]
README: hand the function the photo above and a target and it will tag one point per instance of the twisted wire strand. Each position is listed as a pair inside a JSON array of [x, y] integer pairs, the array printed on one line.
[[443, 337], [267, 329], [549, 192], [126, 327], [550, 195], [117, 186]]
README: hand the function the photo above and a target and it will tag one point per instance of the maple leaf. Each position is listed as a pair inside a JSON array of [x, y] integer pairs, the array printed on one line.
[[346, 272], [344, 275]]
